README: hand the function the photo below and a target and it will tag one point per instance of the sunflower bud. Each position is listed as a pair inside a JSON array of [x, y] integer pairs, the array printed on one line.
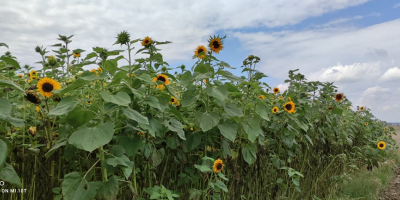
[[163, 69], [37, 49], [123, 38], [71, 80]]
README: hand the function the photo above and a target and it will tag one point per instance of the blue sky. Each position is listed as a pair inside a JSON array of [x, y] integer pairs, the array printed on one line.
[[354, 43]]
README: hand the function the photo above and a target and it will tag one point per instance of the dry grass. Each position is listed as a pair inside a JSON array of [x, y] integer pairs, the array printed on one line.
[[397, 137]]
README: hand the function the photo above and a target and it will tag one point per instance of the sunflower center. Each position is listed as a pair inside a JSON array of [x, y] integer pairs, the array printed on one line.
[[161, 78], [172, 100], [381, 145], [47, 87], [276, 90], [146, 41], [200, 51], [274, 109], [216, 44], [288, 106], [219, 166], [339, 96]]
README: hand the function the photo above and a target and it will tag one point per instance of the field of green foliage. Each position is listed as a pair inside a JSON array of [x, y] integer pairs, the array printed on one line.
[[140, 132]]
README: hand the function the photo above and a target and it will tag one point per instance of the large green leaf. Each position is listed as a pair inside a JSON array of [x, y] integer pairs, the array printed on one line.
[[78, 116], [53, 149], [131, 145], [5, 108], [66, 105], [228, 130], [109, 189], [252, 127], [78, 83], [135, 115], [5, 148], [193, 140], [153, 102], [221, 185], [75, 186], [4, 45], [233, 109], [219, 92], [10, 61], [121, 98], [176, 126], [146, 78], [157, 156], [208, 121], [91, 138], [16, 122], [111, 66], [9, 175], [10, 83], [249, 154]]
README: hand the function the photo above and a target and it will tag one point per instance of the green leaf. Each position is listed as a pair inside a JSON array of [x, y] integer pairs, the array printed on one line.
[[16, 122], [337, 111], [91, 138], [78, 117], [153, 102], [66, 105], [221, 185], [228, 130], [186, 78], [176, 126], [233, 109], [111, 66], [11, 84], [221, 175], [146, 78], [55, 147], [219, 92], [229, 76], [108, 190], [9, 175], [4, 45], [193, 140], [90, 55], [121, 98], [203, 168], [252, 127], [5, 148], [77, 84], [249, 154], [10, 61], [75, 186], [157, 157], [208, 121], [135, 115], [5, 108], [117, 150], [131, 145]]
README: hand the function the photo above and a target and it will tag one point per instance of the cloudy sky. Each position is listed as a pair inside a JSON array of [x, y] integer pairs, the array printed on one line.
[[354, 43]]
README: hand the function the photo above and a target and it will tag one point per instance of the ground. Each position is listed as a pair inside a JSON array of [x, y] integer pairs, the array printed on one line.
[[392, 191]]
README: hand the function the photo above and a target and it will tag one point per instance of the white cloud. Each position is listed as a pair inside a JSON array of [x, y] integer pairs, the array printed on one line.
[[375, 95], [283, 87], [340, 21], [397, 5], [392, 74]]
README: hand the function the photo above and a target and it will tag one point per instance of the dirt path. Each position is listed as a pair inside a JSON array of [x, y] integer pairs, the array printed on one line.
[[392, 191]]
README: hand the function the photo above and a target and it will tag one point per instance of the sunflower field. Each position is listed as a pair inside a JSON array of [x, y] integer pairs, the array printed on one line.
[[139, 132]]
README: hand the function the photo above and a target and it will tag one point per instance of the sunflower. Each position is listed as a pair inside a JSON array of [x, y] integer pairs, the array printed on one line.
[[205, 81], [76, 54], [381, 145], [32, 96], [33, 74], [99, 69], [32, 130], [384, 129], [366, 123], [174, 101], [218, 166], [281, 97], [163, 78], [20, 75], [47, 85], [339, 96], [330, 107], [290, 107], [146, 41], [37, 108], [261, 97], [191, 128], [200, 52], [276, 90], [275, 110], [361, 108], [215, 44], [55, 135]]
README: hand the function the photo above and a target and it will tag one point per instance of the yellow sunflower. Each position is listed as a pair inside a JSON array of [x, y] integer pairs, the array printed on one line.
[[191, 128], [20, 75], [37, 109], [146, 41], [275, 110], [174, 101], [163, 78], [366, 123], [218, 166], [261, 97], [290, 107], [32, 74], [32, 96], [339, 96], [200, 52], [77, 55], [216, 44], [281, 97], [47, 85], [361, 108], [99, 69], [381, 145], [276, 90]]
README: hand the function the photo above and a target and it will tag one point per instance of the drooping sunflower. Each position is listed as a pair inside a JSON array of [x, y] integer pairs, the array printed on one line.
[[146, 41], [361, 108], [276, 90], [76, 54], [163, 78], [275, 110], [261, 97], [32, 74], [218, 166], [200, 52], [289, 107], [174, 101], [381, 145], [20, 75], [330, 107], [339, 96], [47, 85], [215, 44], [32, 96]]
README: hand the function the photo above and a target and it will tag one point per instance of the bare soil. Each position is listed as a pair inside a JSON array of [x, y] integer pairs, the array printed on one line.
[[392, 191]]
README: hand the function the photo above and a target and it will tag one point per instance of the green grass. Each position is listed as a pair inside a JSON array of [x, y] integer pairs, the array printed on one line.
[[367, 185]]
